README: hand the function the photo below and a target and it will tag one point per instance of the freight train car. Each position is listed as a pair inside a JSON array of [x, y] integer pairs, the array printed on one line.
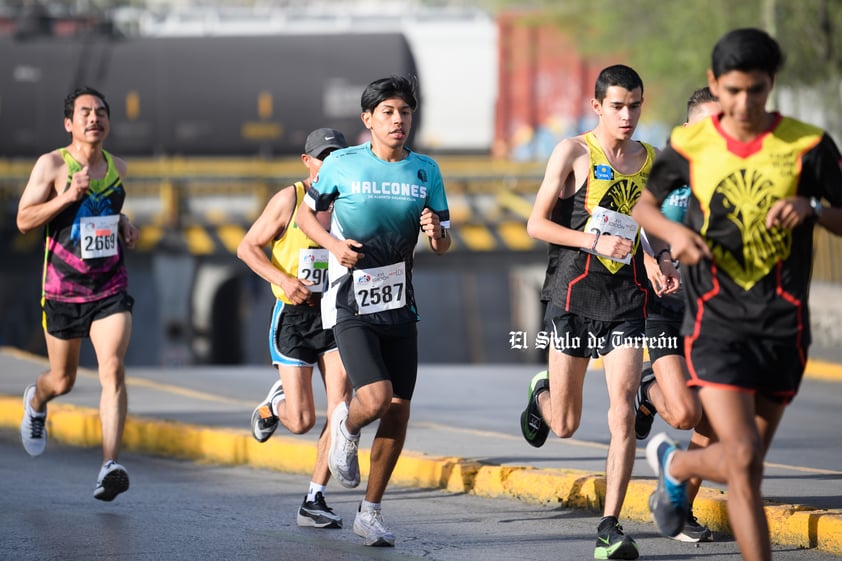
[[207, 82], [227, 95]]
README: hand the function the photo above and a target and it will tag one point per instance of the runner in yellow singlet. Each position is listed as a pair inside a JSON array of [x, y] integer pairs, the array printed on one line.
[[599, 288], [297, 273]]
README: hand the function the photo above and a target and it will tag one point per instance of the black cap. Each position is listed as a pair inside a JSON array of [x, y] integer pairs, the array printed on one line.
[[322, 139]]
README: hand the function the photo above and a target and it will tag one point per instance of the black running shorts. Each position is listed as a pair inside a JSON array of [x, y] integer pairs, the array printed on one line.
[[663, 327], [663, 337], [583, 337], [72, 320], [296, 335], [372, 353], [770, 367]]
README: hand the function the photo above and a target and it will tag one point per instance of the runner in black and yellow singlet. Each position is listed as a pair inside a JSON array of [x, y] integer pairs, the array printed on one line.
[[764, 272], [758, 180], [593, 286], [598, 286]]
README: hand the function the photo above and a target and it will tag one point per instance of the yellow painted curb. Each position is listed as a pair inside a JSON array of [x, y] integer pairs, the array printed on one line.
[[821, 370], [554, 487], [791, 525]]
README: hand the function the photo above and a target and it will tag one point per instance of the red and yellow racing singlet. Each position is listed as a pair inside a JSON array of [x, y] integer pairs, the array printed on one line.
[[758, 274]]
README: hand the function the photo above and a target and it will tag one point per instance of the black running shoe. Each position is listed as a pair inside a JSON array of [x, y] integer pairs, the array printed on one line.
[[612, 543], [645, 414], [316, 514], [693, 532], [264, 422], [532, 424]]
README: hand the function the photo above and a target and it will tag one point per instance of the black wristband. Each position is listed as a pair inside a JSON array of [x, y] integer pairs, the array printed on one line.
[[658, 256]]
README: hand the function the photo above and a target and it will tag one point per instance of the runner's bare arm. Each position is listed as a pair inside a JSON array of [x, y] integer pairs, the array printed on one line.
[[347, 252], [272, 223], [559, 181], [685, 245], [44, 196]]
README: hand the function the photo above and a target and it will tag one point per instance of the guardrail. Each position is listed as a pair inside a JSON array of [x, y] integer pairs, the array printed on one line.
[[204, 205]]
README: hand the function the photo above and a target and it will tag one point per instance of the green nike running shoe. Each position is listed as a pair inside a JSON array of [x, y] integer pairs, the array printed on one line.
[[612, 543]]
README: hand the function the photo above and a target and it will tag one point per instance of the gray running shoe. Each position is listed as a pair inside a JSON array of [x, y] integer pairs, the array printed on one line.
[[369, 525], [668, 502], [113, 479], [33, 426], [342, 456], [316, 514], [264, 422]]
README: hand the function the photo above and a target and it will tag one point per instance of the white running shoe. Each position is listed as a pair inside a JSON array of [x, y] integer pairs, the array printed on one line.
[[342, 457], [113, 479], [369, 525], [33, 427]]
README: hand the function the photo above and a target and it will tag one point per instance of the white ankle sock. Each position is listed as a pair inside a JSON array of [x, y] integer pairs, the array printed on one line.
[[348, 435], [276, 401], [365, 505], [667, 465], [315, 488]]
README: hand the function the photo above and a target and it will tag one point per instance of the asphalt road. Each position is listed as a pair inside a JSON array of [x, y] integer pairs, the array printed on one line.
[[473, 411], [177, 509], [183, 511]]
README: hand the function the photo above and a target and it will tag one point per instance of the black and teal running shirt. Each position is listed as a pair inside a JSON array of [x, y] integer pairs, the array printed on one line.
[[379, 204]]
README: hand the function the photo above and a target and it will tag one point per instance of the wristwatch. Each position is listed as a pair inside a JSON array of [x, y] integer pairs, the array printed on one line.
[[816, 205]]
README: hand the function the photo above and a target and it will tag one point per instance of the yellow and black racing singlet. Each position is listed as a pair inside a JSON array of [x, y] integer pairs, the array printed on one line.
[[585, 284], [83, 258], [294, 253], [758, 274]]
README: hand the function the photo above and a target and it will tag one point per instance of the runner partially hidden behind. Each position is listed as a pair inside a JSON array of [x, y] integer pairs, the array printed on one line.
[[297, 273], [663, 386]]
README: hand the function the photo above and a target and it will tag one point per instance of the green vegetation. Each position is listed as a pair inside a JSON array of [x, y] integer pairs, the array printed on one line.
[[669, 43]]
